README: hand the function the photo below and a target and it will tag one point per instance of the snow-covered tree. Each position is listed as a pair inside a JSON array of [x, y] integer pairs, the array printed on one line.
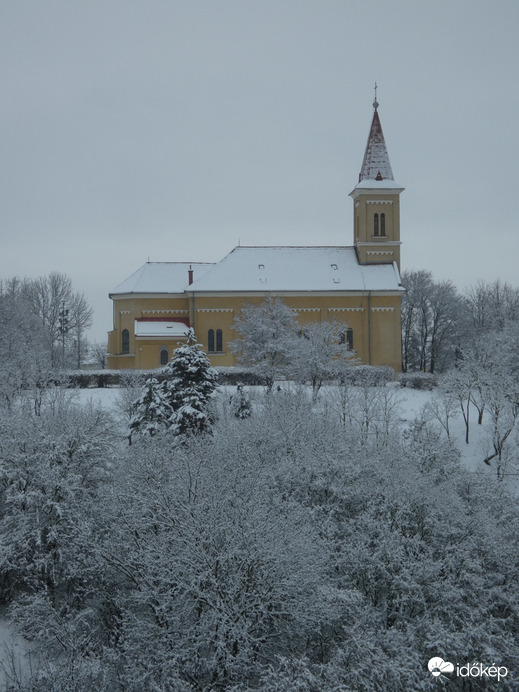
[[266, 338], [320, 353], [372, 412], [152, 410], [51, 467], [24, 360], [188, 385], [490, 306], [98, 354], [430, 319], [64, 314], [240, 403]]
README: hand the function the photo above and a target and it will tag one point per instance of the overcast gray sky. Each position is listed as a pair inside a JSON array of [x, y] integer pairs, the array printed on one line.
[[174, 130]]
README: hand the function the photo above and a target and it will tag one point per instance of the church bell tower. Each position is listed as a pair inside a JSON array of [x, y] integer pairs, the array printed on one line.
[[376, 202]]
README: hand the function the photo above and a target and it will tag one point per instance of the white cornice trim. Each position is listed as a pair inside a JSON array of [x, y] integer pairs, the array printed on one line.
[[215, 310], [379, 201], [165, 312], [345, 309], [382, 309]]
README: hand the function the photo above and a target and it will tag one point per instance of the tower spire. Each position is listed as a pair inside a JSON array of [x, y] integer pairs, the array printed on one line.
[[376, 165]]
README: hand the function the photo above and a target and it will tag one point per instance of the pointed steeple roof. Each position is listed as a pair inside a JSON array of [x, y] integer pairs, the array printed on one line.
[[376, 164]]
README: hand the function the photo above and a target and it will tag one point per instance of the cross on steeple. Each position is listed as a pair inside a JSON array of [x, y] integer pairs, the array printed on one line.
[[375, 102]]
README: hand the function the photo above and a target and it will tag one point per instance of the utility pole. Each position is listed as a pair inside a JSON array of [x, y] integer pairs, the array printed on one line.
[[63, 328]]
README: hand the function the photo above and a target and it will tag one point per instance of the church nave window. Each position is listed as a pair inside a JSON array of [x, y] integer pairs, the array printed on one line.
[[212, 342], [346, 338], [125, 341], [164, 356], [375, 225]]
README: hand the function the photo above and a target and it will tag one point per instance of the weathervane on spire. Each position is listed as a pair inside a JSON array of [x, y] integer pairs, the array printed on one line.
[[375, 102]]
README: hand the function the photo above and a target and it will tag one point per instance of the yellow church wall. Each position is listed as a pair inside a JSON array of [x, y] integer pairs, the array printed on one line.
[[375, 314], [219, 312], [144, 353], [386, 336]]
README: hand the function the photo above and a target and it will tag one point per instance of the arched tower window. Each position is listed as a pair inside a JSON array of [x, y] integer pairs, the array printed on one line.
[[164, 355], [375, 225], [382, 224], [125, 341], [219, 341], [210, 341]]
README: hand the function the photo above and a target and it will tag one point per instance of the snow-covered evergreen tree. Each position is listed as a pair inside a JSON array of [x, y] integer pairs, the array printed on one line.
[[240, 403], [188, 386], [152, 410]]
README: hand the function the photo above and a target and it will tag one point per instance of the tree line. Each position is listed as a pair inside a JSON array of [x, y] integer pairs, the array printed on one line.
[[43, 326], [440, 324]]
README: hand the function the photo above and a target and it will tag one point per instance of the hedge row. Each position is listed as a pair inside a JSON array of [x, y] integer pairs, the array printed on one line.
[[360, 376], [98, 379]]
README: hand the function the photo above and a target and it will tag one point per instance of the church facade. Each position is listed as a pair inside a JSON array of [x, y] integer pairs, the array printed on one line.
[[358, 285]]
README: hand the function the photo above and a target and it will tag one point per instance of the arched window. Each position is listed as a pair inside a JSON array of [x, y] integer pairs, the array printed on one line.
[[349, 338], [219, 340], [375, 225], [164, 355], [210, 341], [382, 224], [125, 341]]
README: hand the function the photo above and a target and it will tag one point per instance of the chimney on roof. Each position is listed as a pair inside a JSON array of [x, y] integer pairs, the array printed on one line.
[[190, 275]]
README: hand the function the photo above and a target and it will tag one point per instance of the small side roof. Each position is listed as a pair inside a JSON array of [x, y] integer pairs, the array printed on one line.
[[161, 328], [286, 269], [161, 277]]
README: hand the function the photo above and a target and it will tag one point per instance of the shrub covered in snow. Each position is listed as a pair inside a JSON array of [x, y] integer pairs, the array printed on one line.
[[418, 380], [368, 375]]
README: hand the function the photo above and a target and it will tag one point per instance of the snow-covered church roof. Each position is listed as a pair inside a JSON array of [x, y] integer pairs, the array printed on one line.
[[161, 277], [287, 269], [266, 269]]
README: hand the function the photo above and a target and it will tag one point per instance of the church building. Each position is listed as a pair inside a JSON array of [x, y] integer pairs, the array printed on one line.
[[358, 285]]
